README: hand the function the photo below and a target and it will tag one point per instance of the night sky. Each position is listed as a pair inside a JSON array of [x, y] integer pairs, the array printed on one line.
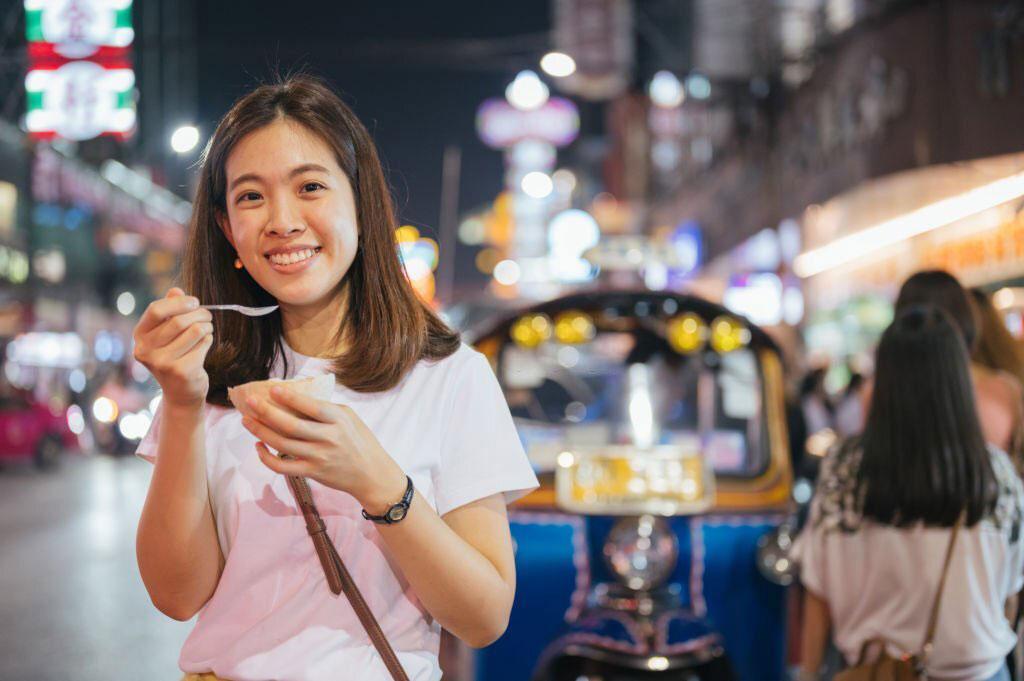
[[414, 72]]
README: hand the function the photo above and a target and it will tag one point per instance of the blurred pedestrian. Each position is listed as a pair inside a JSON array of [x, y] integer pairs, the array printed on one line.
[[411, 461], [850, 407], [996, 349], [881, 521], [815, 401], [999, 352], [998, 400]]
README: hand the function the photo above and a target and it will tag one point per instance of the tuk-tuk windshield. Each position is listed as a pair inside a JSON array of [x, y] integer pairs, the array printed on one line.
[[632, 388]]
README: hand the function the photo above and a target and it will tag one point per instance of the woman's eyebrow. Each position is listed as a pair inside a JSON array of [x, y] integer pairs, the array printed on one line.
[[298, 170]]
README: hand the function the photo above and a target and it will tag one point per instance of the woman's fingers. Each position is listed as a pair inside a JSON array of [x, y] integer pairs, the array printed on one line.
[[300, 449], [159, 311], [281, 421], [318, 410], [282, 466], [176, 325], [188, 339]]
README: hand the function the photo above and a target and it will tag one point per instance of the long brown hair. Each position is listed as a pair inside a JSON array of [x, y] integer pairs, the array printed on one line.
[[996, 348], [386, 328]]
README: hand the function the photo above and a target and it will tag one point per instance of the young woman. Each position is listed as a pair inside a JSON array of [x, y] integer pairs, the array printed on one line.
[[998, 400], [872, 552], [292, 209], [996, 349]]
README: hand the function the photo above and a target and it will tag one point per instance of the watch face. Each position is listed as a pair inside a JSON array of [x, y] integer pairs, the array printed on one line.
[[396, 513]]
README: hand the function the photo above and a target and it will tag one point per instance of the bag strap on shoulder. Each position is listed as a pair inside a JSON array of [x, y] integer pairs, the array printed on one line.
[[933, 617], [338, 578]]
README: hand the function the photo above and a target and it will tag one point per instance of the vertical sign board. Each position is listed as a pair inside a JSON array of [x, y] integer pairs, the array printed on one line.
[[80, 83], [598, 35]]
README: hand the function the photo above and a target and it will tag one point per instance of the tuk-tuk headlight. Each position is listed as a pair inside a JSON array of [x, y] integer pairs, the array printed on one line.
[[531, 330], [641, 551], [574, 327], [686, 333]]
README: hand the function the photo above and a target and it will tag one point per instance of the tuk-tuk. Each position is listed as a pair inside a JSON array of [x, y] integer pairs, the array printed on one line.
[[657, 543]]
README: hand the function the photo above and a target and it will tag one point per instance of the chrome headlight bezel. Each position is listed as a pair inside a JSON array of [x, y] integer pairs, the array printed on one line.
[[641, 551]]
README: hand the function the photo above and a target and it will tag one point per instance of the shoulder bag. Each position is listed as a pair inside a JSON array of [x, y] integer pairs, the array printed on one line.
[[908, 667]]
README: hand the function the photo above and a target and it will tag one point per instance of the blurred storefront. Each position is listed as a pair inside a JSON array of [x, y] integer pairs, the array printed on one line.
[[893, 150], [964, 218], [14, 232]]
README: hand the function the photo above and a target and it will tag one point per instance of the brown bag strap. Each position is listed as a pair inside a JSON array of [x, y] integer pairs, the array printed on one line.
[[933, 617], [338, 577]]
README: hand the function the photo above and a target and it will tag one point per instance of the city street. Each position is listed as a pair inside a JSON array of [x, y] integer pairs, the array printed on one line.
[[73, 605]]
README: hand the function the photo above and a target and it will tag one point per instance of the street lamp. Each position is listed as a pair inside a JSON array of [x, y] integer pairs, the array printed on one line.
[[527, 92], [185, 139], [558, 64], [665, 90]]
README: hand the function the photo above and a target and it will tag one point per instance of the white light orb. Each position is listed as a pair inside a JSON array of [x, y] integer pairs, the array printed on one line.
[[666, 90], [185, 139], [76, 419], [507, 272], [104, 410], [698, 86], [527, 91], [76, 380], [537, 185], [472, 231], [126, 303], [572, 232], [558, 64], [565, 180]]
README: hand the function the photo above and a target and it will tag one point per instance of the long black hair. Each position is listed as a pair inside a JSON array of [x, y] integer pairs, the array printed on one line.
[[942, 290], [924, 457]]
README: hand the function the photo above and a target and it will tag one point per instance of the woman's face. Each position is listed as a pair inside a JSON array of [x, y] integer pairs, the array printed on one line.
[[291, 215]]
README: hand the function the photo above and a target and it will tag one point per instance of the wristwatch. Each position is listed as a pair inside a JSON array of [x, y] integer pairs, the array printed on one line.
[[397, 512]]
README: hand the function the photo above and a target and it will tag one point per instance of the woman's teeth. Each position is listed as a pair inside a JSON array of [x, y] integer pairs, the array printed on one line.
[[293, 257]]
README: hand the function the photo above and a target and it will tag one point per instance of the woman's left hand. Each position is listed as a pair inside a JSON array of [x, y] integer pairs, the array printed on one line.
[[328, 443]]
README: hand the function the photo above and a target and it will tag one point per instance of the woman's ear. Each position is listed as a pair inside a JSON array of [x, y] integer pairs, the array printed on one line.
[[225, 226]]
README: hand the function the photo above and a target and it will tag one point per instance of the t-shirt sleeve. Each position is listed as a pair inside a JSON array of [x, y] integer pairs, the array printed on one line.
[[149, 445], [147, 448], [810, 547], [481, 453], [809, 553]]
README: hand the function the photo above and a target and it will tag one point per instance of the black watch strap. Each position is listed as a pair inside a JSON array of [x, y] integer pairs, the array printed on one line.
[[397, 512]]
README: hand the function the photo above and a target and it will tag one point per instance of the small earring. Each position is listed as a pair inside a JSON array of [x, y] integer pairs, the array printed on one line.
[[238, 263]]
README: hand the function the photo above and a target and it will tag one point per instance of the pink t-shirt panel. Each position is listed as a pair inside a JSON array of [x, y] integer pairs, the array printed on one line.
[[272, 615]]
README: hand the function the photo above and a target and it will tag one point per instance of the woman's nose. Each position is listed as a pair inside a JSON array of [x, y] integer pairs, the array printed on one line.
[[283, 221]]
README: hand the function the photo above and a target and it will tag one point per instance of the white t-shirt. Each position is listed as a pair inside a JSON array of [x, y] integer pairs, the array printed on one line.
[[272, 615], [880, 581]]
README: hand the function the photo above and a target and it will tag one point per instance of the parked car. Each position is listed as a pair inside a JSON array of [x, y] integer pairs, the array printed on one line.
[[30, 429]]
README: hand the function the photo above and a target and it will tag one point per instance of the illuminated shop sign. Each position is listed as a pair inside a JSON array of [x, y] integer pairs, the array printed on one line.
[[76, 29], [501, 125], [80, 100], [80, 83]]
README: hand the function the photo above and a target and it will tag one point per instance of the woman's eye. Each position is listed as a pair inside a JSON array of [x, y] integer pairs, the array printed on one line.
[[248, 196], [311, 187]]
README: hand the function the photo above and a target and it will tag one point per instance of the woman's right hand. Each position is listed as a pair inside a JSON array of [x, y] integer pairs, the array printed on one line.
[[171, 340]]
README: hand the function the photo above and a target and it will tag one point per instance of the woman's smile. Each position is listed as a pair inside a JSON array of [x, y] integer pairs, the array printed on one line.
[[293, 260]]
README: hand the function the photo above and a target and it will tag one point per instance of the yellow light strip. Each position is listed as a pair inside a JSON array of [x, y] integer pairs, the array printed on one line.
[[925, 219]]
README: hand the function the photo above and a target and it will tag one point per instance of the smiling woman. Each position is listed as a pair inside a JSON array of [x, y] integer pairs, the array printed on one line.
[[410, 450], [291, 170]]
